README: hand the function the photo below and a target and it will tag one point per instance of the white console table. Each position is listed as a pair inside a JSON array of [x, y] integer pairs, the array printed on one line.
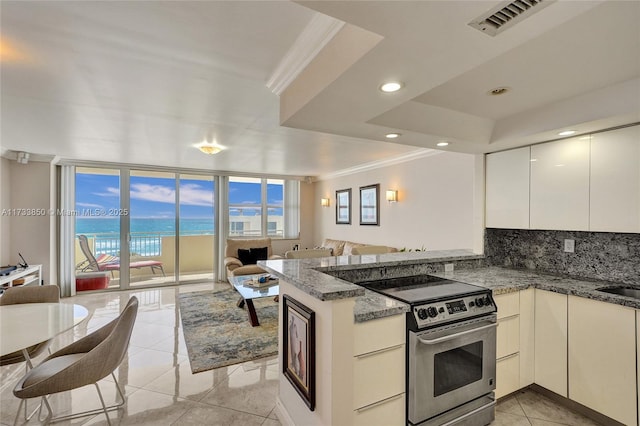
[[32, 275]]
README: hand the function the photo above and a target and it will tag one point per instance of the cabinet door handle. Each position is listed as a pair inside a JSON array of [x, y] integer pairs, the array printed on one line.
[[508, 356], [379, 351], [456, 335], [509, 317], [377, 403]]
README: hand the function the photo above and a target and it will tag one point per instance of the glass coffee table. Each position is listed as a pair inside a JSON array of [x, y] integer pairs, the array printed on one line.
[[248, 293]]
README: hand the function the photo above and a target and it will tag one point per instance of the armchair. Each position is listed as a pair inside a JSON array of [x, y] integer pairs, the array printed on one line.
[[235, 266]]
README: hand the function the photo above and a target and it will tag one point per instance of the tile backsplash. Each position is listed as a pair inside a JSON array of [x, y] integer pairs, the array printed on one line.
[[598, 255]]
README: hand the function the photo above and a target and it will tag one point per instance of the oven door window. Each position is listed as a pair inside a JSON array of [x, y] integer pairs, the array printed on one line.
[[457, 368]]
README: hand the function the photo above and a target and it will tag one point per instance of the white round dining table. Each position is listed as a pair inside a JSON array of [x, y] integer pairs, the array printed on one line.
[[24, 325]]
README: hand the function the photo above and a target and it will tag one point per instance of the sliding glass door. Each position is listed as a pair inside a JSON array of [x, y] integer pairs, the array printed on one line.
[[152, 235], [196, 245], [145, 227], [97, 208]]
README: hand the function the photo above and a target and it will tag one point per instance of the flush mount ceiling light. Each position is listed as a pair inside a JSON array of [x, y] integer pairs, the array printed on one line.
[[443, 143], [392, 135], [209, 148], [567, 133], [391, 86], [498, 91]]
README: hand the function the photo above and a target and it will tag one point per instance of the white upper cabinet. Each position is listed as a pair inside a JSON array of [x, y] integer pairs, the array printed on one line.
[[507, 189], [615, 180], [560, 185]]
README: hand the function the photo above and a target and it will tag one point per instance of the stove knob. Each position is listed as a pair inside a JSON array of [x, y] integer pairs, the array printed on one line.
[[487, 301], [422, 313], [441, 310], [479, 302], [433, 312]]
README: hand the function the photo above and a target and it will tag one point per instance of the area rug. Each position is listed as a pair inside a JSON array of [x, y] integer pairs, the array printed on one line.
[[218, 333]]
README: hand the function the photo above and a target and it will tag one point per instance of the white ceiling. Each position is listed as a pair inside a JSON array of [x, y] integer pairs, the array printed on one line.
[[142, 82]]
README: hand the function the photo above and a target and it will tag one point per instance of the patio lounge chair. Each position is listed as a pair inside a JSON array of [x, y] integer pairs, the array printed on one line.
[[111, 263]]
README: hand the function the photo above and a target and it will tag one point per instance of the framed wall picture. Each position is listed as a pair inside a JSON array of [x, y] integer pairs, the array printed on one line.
[[299, 348], [343, 206], [370, 205]]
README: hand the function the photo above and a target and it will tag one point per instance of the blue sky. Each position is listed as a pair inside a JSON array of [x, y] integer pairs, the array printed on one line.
[[153, 197]]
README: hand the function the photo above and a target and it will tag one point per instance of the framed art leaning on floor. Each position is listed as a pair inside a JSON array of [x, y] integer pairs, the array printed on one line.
[[299, 348]]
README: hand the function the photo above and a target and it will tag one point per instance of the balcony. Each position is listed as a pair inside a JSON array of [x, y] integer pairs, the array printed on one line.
[[197, 254]]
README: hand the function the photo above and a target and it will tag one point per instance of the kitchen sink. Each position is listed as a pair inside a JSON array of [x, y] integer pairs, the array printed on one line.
[[622, 291]]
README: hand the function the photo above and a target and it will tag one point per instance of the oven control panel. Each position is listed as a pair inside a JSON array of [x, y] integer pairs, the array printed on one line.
[[449, 310]]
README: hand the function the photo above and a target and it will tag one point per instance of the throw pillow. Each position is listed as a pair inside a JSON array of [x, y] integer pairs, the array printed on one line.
[[260, 253], [246, 257]]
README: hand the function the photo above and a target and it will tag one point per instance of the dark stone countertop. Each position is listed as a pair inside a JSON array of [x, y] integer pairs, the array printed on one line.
[[503, 280], [314, 277]]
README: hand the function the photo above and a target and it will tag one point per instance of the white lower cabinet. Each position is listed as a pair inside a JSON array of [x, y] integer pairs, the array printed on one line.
[[379, 372], [508, 344], [507, 375], [378, 375], [602, 358], [550, 368]]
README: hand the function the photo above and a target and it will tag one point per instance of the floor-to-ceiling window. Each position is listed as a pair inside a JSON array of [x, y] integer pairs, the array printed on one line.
[[97, 220], [196, 227], [150, 227], [145, 227]]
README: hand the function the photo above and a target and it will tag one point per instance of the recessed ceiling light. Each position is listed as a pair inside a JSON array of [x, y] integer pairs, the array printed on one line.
[[498, 91], [567, 133], [443, 143], [391, 86], [392, 135]]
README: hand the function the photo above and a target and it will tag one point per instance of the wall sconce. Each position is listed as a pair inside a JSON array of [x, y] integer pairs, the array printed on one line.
[[324, 202], [392, 196]]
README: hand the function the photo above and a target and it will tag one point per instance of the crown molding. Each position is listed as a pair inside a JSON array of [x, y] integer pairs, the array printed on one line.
[[410, 156], [309, 43]]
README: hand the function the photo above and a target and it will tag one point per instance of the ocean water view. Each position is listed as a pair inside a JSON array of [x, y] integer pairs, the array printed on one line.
[[146, 233], [111, 225]]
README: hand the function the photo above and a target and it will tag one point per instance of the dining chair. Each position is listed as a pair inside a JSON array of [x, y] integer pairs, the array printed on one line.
[[82, 363], [28, 294]]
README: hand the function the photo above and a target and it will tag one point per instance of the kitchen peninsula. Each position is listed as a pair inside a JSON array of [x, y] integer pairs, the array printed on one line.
[[352, 321]]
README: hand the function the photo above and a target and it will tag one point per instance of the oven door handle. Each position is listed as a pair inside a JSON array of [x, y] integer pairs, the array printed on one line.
[[455, 335]]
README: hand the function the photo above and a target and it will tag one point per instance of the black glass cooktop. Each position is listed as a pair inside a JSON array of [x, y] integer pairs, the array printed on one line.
[[422, 288]]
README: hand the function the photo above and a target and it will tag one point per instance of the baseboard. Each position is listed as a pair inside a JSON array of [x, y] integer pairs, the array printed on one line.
[[572, 405], [283, 414]]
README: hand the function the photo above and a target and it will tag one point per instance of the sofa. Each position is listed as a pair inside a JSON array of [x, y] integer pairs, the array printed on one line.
[[237, 250], [307, 254], [345, 248]]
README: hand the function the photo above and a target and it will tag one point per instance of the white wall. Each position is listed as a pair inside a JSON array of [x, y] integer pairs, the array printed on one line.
[[30, 235], [440, 204], [5, 220]]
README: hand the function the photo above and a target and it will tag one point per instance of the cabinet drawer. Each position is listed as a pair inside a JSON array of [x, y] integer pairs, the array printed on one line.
[[378, 376], [508, 304], [389, 412], [508, 337], [370, 336], [507, 375]]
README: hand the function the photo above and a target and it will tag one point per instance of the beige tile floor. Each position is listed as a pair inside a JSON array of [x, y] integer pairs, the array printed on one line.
[[161, 390]]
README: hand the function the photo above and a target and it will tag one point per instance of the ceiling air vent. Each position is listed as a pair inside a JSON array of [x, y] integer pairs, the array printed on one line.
[[506, 14]]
